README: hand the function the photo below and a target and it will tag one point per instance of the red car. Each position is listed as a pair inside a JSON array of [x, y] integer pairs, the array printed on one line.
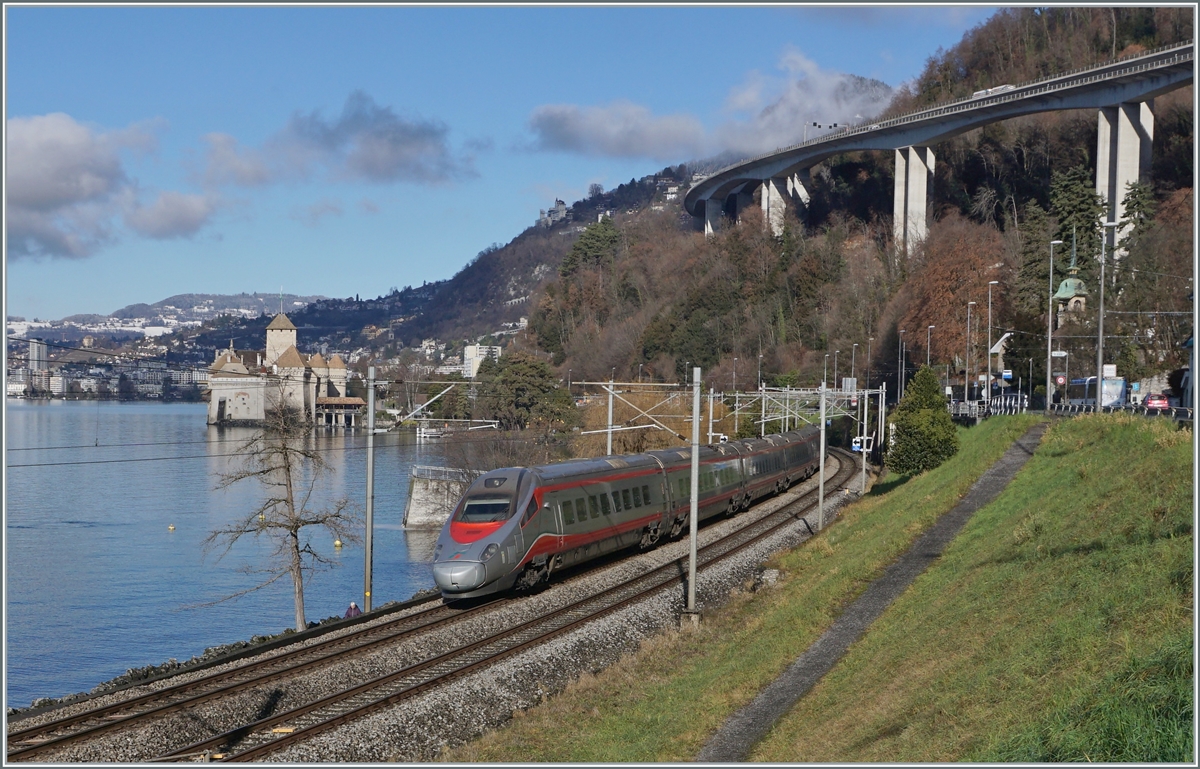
[[1156, 401]]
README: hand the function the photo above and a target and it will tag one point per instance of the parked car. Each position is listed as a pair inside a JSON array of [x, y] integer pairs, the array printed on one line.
[[1156, 401]]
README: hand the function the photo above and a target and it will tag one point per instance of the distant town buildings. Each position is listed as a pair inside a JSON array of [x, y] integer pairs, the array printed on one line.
[[37, 355], [244, 384]]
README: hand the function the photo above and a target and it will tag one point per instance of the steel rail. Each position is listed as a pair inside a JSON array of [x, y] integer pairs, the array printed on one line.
[[97, 721], [270, 734]]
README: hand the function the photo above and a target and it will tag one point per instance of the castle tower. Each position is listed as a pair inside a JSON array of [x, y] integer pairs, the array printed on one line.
[[281, 335]]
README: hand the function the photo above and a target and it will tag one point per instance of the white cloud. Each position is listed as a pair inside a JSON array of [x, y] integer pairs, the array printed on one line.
[[228, 163], [620, 129], [171, 215], [764, 112], [366, 142], [67, 185]]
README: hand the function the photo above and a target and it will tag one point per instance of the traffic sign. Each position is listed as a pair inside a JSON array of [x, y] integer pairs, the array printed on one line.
[[1059, 354], [1060, 380], [1008, 374]]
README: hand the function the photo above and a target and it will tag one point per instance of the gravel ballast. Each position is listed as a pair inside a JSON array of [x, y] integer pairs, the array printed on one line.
[[418, 729]]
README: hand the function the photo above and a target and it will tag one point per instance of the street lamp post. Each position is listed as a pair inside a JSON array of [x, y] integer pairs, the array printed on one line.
[[760, 371], [1100, 341], [870, 339], [967, 376], [825, 372], [928, 338], [853, 350], [989, 364], [640, 372], [1050, 320], [835, 379], [735, 375], [900, 369]]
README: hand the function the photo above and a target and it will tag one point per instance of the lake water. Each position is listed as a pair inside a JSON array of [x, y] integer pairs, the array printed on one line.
[[96, 583]]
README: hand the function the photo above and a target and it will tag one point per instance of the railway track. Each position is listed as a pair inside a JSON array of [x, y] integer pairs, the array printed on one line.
[[27, 743], [260, 738]]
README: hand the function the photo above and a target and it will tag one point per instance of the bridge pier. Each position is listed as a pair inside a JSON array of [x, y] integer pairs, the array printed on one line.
[[774, 205], [1123, 144], [914, 177], [776, 192], [714, 209]]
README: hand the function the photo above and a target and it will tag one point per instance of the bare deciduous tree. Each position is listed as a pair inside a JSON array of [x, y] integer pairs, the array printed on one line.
[[288, 467]]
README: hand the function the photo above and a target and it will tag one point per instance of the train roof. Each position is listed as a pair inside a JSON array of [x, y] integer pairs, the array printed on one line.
[[573, 467]]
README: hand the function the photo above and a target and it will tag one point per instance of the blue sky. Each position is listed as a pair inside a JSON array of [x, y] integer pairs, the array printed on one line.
[[335, 151]]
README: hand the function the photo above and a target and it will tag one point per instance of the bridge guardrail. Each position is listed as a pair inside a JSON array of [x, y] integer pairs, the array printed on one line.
[[1052, 83]]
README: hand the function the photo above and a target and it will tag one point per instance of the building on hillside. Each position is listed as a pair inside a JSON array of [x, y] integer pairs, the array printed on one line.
[[244, 384], [557, 214], [474, 355]]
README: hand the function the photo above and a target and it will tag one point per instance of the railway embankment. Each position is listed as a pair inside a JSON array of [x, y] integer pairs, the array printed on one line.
[[1056, 626]]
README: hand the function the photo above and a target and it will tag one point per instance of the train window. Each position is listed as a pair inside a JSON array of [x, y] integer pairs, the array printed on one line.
[[529, 511], [616, 495], [581, 509], [637, 497], [485, 509], [568, 512], [646, 494], [626, 499], [594, 506], [604, 505]]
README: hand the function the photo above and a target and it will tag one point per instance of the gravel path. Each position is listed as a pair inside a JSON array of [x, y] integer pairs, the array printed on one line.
[[419, 729], [742, 730]]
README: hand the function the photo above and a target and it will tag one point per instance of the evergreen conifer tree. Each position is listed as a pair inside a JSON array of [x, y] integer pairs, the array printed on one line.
[[1077, 207], [925, 434], [1033, 279]]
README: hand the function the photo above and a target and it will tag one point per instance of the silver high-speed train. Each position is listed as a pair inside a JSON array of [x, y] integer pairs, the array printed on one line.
[[517, 525]]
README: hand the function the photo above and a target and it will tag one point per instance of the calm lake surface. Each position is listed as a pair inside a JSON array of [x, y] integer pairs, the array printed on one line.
[[96, 583]]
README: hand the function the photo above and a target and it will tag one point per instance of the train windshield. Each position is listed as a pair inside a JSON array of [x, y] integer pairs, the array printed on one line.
[[485, 508]]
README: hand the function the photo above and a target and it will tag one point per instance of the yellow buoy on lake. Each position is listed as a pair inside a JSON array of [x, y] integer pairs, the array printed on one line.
[[337, 543], [171, 527]]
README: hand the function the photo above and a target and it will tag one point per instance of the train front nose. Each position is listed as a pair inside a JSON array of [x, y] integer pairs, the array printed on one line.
[[459, 576]]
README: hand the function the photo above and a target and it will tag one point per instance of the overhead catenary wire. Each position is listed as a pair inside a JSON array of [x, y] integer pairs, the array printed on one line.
[[489, 438]]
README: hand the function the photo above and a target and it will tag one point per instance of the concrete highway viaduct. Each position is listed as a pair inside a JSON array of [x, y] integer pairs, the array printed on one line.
[[1122, 91]]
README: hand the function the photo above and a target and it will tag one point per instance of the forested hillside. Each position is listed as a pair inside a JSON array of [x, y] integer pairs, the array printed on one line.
[[645, 292]]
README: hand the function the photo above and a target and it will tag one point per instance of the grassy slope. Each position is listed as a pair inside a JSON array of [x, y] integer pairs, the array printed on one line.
[[1057, 626], [663, 703]]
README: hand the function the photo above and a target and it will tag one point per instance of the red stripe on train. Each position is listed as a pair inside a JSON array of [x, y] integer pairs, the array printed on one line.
[[470, 532]]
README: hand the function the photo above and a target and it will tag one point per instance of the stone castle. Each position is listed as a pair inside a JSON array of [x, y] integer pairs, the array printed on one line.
[[244, 384]]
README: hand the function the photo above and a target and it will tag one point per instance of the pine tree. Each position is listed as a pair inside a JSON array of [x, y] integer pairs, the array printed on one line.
[[597, 245], [1139, 216], [1033, 280], [925, 434], [1077, 207]]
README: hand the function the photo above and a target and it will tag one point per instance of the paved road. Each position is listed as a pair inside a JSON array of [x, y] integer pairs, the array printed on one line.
[[742, 730]]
